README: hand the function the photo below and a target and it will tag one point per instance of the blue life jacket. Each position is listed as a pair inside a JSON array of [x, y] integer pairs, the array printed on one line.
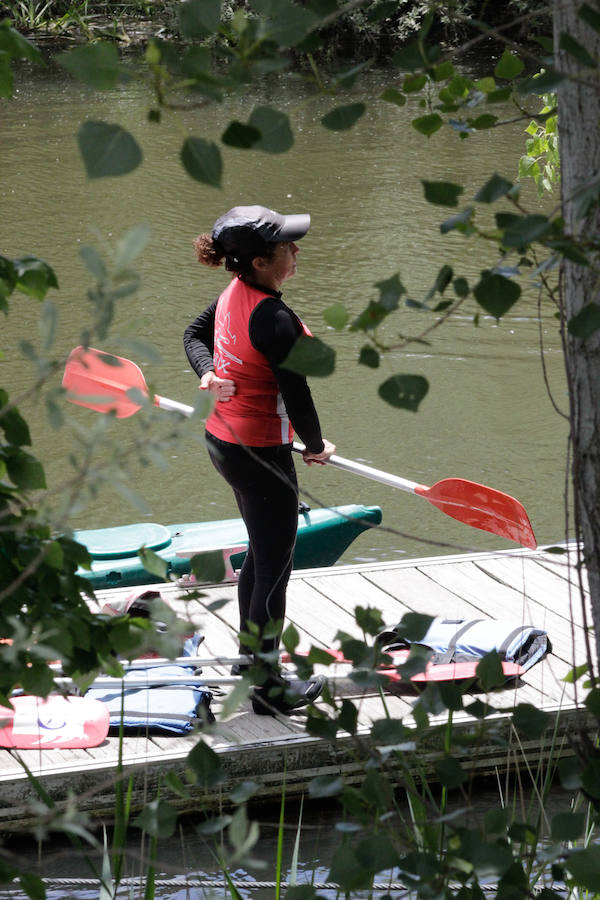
[[176, 708], [464, 640]]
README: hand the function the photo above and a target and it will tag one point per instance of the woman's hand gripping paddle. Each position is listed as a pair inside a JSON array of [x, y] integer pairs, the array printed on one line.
[[109, 383]]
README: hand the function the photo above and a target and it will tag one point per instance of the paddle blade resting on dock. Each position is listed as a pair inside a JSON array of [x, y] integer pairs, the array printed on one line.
[[70, 723], [481, 507]]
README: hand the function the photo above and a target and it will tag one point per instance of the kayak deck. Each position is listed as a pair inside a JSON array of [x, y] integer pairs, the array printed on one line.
[[323, 535]]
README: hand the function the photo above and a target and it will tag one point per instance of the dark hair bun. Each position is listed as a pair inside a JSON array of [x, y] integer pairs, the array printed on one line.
[[208, 251]]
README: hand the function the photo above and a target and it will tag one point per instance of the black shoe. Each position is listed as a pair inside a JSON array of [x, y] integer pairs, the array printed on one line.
[[284, 695], [239, 669]]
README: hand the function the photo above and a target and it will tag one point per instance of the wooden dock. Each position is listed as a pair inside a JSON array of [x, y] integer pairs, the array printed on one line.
[[527, 587]]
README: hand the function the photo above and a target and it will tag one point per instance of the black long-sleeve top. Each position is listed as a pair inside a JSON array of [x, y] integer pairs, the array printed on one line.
[[273, 329]]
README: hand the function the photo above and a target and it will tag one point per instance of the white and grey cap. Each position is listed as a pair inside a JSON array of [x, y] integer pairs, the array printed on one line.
[[244, 230]]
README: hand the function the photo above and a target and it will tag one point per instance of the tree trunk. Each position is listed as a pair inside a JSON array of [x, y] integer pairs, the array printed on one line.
[[579, 138]]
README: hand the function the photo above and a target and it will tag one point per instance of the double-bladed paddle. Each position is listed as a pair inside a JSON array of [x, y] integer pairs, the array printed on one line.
[[108, 383]]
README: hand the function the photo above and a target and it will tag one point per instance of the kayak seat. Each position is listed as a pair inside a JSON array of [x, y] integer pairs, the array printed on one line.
[[123, 540]]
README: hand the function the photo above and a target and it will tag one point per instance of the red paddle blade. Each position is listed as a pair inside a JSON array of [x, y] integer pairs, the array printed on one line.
[[91, 375], [57, 722], [481, 507]]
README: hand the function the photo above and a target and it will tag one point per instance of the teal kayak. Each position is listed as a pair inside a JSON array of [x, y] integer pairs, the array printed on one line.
[[323, 535]]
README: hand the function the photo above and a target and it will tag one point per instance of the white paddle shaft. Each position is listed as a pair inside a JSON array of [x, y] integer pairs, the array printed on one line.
[[348, 465], [368, 472], [173, 405]]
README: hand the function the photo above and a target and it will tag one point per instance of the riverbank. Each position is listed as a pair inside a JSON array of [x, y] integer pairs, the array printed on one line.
[[371, 31]]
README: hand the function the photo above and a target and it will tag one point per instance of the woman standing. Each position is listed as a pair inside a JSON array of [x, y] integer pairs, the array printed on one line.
[[237, 346]]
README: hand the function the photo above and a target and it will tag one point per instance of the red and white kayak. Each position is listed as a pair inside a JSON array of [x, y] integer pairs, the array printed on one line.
[[55, 722]]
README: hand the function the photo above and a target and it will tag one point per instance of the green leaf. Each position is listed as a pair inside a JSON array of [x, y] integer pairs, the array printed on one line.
[[391, 95], [310, 356], [460, 86], [130, 246], [592, 703], [525, 230], [107, 149], [16, 46], [412, 84], [461, 287], [199, 19], [158, 819], [202, 160], [97, 65], [590, 777], [442, 193], [489, 671], [572, 46], [244, 791], [388, 732], [567, 826], [443, 72], [6, 76], [508, 66], [153, 563], [292, 24], [38, 679], [428, 125], [493, 189], [586, 322], [206, 765], [322, 728], [209, 567], [347, 871], [462, 222], [496, 294], [404, 391], [487, 120], [325, 786], [274, 127], [501, 95], [584, 866], [239, 135], [34, 276], [530, 721], [369, 357], [25, 471], [485, 85], [93, 262], [32, 885], [496, 821], [377, 853], [450, 772], [15, 427], [343, 117], [590, 16], [303, 891], [336, 316], [576, 672], [569, 770], [390, 290], [544, 83], [214, 826]]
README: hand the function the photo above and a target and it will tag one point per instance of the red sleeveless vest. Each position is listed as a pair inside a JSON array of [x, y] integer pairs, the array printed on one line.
[[255, 415]]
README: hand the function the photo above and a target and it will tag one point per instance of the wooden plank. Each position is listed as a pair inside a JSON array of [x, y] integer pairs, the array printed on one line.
[[499, 601]]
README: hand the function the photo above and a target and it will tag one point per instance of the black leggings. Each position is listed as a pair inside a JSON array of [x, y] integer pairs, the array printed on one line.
[[266, 490]]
